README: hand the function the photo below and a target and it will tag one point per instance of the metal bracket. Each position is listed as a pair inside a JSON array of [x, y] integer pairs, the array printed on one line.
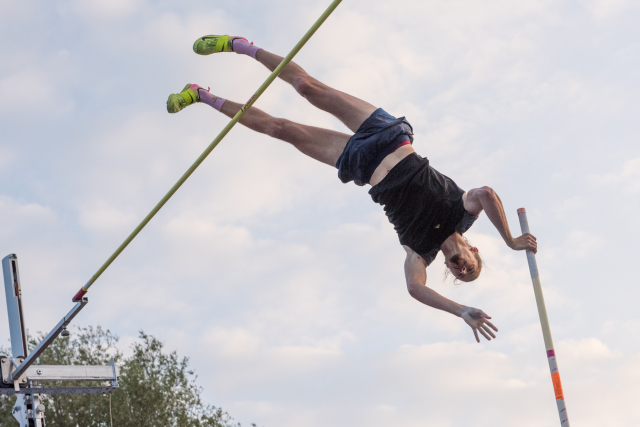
[[59, 390], [71, 373], [46, 341], [45, 373], [7, 367]]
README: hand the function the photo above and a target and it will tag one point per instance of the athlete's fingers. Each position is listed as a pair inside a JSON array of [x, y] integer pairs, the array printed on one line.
[[485, 315], [475, 332], [491, 324], [484, 334], [486, 329]]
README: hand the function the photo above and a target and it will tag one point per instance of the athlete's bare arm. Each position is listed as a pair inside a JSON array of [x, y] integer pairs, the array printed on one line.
[[415, 271], [484, 198]]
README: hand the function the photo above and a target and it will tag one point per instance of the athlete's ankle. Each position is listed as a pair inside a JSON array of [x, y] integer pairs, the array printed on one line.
[[243, 47], [210, 99]]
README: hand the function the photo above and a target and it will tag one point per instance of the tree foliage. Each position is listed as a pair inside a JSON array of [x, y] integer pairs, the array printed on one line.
[[156, 388]]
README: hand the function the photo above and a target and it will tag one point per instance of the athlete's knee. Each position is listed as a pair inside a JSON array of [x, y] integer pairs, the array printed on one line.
[[276, 128], [306, 85]]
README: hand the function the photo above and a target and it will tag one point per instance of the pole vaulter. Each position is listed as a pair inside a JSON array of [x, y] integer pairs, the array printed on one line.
[[428, 210]]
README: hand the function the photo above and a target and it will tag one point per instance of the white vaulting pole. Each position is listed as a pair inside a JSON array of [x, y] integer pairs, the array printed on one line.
[[544, 322]]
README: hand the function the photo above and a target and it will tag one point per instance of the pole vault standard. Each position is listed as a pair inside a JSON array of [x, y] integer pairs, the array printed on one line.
[[78, 296], [30, 382], [544, 322]]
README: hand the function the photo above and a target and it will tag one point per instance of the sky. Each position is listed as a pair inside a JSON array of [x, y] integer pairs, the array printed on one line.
[[285, 287]]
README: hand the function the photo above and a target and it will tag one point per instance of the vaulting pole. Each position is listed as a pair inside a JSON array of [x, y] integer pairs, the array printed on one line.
[[544, 322], [210, 148]]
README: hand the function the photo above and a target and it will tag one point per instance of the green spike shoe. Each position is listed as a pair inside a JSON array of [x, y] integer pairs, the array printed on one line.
[[180, 101], [207, 45]]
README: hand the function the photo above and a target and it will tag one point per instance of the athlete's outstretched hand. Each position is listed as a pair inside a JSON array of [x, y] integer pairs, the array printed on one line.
[[478, 320], [526, 242]]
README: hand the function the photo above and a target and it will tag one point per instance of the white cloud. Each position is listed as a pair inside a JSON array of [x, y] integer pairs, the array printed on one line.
[[108, 8], [626, 178], [581, 244], [232, 343], [42, 96], [102, 217], [23, 217], [569, 207], [7, 156], [586, 350], [606, 9]]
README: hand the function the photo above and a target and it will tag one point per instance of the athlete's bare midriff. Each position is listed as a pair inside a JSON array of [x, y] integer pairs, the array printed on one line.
[[389, 162]]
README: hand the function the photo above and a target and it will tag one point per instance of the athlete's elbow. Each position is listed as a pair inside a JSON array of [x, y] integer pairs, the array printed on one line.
[[486, 194], [415, 289]]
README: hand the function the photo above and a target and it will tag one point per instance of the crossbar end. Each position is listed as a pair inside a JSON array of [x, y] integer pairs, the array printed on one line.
[[79, 295]]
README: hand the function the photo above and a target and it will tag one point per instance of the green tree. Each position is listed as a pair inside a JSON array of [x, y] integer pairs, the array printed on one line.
[[157, 389]]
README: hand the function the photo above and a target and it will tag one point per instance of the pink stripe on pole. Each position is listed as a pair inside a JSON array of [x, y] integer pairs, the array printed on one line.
[[551, 353], [522, 210]]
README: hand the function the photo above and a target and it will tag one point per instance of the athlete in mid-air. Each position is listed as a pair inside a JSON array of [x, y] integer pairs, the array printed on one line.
[[428, 210]]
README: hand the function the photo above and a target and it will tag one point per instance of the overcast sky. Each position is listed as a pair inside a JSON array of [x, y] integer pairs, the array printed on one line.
[[286, 287]]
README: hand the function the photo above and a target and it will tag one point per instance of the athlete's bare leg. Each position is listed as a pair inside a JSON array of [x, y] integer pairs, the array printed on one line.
[[348, 109], [321, 144]]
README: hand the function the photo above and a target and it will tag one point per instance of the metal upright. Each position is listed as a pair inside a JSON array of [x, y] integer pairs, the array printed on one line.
[[544, 322], [19, 374]]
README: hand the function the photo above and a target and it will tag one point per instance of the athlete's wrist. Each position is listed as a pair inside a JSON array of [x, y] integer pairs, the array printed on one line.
[[461, 310], [510, 241]]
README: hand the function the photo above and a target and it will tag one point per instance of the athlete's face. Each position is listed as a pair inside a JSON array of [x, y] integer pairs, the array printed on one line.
[[464, 265]]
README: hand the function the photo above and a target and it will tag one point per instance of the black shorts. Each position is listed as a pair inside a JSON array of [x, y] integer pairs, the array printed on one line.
[[376, 138]]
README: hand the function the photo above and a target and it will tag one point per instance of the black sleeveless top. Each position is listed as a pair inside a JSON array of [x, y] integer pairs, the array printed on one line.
[[424, 206]]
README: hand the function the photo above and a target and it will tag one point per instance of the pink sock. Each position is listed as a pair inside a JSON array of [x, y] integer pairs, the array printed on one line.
[[210, 99], [242, 46]]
